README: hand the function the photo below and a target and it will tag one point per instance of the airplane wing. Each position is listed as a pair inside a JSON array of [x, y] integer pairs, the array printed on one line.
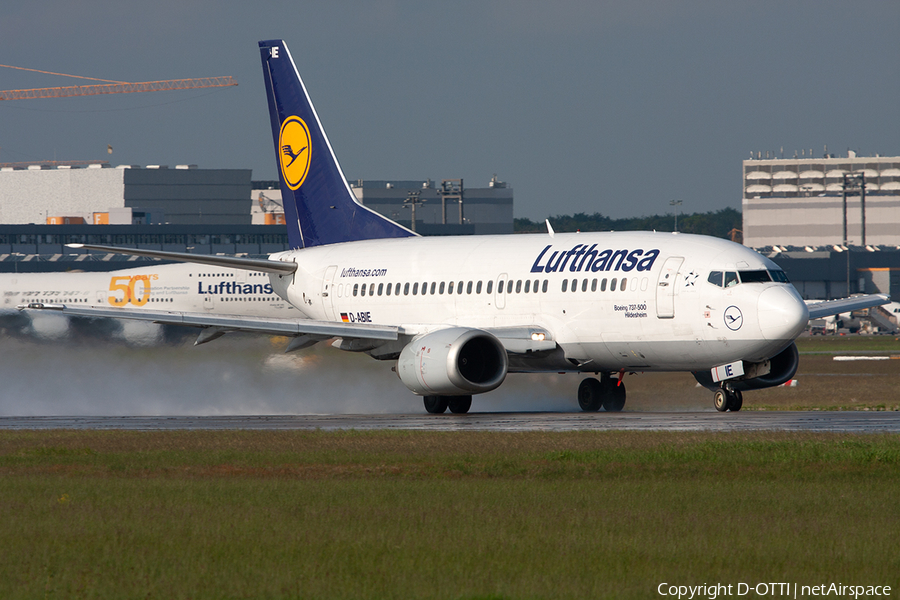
[[223, 323], [248, 264], [516, 340], [836, 307]]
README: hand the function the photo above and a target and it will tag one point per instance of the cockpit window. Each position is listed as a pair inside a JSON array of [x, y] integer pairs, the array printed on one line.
[[731, 279], [715, 278], [779, 276], [755, 277]]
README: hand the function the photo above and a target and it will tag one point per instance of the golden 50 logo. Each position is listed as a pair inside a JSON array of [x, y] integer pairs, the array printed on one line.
[[129, 286], [294, 151]]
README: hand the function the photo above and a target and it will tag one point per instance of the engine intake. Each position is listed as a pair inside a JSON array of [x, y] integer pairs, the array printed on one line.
[[453, 361]]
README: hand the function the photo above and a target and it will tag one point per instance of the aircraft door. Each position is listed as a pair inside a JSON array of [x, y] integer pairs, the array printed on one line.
[[665, 288], [327, 286], [500, 291], [209, 301]]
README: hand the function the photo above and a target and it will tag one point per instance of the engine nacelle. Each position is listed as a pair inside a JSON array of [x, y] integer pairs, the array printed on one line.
[[780, 369], [451, 362]]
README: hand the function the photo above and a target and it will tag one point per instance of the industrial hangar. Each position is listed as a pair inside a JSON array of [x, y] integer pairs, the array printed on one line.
[[44, 206], [832, 223]]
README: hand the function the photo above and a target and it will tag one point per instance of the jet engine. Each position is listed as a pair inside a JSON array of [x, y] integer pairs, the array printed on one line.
[[777, 370], [453, 361]]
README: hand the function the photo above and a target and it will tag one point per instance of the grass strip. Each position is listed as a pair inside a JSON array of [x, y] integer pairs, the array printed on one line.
[[109, 514]]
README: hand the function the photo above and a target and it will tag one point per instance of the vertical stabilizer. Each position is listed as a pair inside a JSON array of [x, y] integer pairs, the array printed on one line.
[[319, 207]]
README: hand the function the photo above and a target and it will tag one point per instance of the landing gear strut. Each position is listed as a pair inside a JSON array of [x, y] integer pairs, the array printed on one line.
[[726, 399], [608, 393]]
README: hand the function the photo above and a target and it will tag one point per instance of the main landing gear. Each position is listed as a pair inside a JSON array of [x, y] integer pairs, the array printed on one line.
[[607, 392], [727, 399], [439, 404]]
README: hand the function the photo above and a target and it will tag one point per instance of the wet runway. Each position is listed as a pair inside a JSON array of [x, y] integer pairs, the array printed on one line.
[[808, 421]]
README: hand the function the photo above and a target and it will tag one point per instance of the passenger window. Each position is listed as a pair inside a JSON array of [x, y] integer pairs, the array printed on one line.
[[459, 288], [584, 285], [355, 288], [731, 279], [565, 284], [380, 287], [406, 289], [478, 288], [603, 285], [537, 282], [715, 278], [544, 287], [433, 283], [389, 286], [449, 288], [363, 290], [594, 285], [372, 290], [527, 285], [490, 284], [500, 287], [441, 288], [469, 288], [416, 288], [612, 284], [624, 285], [519, 286]]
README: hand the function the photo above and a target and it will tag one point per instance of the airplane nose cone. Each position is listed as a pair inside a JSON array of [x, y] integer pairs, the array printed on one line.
[[782, 313]]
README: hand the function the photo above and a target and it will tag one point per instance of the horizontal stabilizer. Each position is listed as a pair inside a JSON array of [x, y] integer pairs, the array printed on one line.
[[836, 307], [247, 264]]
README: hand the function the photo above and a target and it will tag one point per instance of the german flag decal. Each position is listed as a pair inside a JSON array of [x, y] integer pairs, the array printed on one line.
[[345, 318]]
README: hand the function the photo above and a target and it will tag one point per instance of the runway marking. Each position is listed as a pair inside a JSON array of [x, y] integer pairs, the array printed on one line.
[[809, 421]]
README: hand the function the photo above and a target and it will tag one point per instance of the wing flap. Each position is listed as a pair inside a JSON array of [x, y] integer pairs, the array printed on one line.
[[270, 326]]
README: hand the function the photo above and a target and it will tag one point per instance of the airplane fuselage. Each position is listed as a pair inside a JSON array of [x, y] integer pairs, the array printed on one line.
[[639, 301], [175, 287]]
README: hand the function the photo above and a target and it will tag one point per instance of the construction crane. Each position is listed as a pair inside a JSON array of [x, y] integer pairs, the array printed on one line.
[[110, 87]]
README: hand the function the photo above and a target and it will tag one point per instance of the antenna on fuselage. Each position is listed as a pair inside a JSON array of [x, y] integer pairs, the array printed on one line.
[[549, 227]]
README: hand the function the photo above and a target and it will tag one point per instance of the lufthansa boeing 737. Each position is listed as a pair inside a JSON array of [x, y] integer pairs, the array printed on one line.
[[456, 315]]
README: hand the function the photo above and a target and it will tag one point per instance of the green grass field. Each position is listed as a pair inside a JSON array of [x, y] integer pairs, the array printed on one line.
[[200, 514]]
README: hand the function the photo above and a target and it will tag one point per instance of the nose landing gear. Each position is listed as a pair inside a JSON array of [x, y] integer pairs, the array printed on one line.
[[728, 399]]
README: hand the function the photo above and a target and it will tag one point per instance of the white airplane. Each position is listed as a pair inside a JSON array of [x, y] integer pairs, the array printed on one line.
[[456, 315], [177, 287]]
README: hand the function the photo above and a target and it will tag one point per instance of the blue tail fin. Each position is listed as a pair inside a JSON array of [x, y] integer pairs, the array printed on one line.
[[319, 207]]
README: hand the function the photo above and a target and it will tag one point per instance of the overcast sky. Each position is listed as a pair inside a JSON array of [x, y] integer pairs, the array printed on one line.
[[580, 105]]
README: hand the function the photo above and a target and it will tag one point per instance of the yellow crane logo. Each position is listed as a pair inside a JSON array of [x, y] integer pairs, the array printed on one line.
[[294, 151]]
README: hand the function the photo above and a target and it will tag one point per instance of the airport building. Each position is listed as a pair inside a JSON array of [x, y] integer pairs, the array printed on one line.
[[445, 208], [818, 202], [44, 206], [98, 194], [832, 223]]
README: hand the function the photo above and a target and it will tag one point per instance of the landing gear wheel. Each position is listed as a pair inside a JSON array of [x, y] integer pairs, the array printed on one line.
[[590, 395], [459, 405], [614, 400], [721, 400], [436, 404], [737, 401]]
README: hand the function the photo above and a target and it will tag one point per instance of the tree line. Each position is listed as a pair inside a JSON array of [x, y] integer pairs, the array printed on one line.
[[719, 223]]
